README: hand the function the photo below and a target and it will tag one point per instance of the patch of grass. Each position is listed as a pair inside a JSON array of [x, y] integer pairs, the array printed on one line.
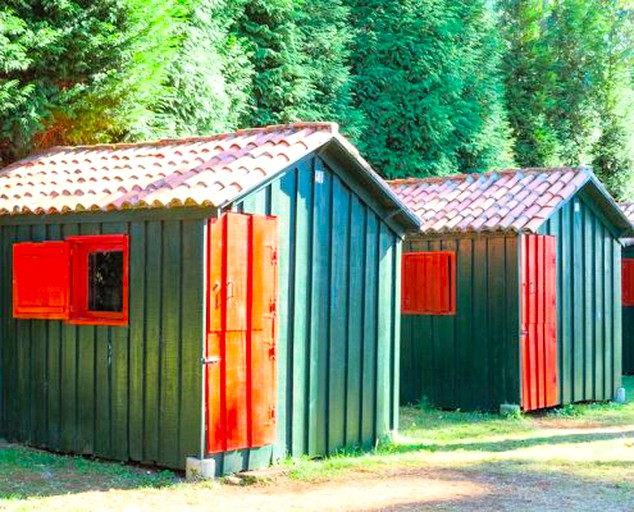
[[26, 472], [601, 413]]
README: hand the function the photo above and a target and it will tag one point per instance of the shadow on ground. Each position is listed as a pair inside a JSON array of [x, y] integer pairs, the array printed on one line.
[[506, 445], [515, 486], [28, 472]]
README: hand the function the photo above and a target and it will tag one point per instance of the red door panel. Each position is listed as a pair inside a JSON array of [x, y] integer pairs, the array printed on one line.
[[216, 412], [539, 322], [237, 255], [235, 389], [241, 341], [263, 335]]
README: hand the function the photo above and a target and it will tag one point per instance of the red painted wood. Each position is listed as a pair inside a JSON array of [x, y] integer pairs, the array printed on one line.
[[241, 319], [80, 249], [429, 283], [550, 308], [627, 281], [539, 329], [237, 247], [263, 333], [41, 280], [216, 424], [237, 268]]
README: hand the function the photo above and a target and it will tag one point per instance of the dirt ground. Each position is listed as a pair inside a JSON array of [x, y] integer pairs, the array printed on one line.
[[576, 459]]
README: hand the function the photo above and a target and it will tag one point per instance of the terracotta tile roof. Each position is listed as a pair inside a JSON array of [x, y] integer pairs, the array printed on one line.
[[203, 171], [517, 200]]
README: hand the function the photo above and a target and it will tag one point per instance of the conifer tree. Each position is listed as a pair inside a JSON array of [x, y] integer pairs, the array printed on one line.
[[75, 71], [526, 78], [427, 83], [269, 33], [208, 78]]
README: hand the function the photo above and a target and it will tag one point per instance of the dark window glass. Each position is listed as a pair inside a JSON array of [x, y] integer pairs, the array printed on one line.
[[105, 281]]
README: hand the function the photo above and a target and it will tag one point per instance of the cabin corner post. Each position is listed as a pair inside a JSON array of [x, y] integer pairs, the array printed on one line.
[[203, 346]]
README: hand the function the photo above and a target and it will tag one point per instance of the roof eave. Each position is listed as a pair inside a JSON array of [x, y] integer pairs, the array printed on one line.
[[608, 207], [400, 212]]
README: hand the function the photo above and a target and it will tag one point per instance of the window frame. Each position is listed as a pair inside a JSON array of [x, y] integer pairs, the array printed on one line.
[[408, 309], [80, 248]]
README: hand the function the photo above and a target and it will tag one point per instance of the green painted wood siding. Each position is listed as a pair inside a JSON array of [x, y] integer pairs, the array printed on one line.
[[589, 303], [338, 330], [628, 328], [469, 360], [126, 393]]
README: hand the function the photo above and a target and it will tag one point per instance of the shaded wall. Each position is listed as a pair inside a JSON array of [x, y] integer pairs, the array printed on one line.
[[589, 303], [628, 328], [469, 360], [126, 393]]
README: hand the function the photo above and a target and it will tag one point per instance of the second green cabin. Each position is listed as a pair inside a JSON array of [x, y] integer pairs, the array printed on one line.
[[511, 290], [628, 296]]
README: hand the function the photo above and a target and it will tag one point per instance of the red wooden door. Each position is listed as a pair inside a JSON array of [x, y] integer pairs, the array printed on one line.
[[241, 337], [539, 322]]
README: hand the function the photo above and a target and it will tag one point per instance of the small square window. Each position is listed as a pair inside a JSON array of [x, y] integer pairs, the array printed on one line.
[[99, 292]]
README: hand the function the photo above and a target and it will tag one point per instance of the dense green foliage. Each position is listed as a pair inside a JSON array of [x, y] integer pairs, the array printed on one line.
[[78, 71], [426, 82], [569, 85], [423, 87]]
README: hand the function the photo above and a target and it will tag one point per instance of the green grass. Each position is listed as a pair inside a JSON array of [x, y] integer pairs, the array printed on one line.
[[581, 455], [26, 472], [425, 431]]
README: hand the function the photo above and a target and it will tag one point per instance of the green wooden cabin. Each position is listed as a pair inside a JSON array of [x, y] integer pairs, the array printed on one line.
[[628, 296], [528, 265], [82, 374]]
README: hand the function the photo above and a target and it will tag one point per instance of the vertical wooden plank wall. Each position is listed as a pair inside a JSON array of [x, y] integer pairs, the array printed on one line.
[[589, 303], [127, 393], [338, 339], [469, 360], [628, 327]]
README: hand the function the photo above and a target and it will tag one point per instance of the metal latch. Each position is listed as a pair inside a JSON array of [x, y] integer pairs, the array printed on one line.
[[210, 360]]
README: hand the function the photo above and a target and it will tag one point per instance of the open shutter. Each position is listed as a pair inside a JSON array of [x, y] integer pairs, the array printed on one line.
[[41, 280]]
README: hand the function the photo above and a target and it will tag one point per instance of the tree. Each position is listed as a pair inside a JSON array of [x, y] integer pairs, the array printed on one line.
[[527, 78], [573, 46], [268, 31], [426, 81], [207, 81], [70, 68], [612, 153], [326, 41]]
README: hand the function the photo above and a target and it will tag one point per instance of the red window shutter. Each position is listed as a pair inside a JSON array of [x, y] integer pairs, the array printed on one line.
[[628, 282], [429, 283], [41, 280]]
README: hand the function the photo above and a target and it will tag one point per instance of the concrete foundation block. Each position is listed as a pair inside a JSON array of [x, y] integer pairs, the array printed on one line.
[[197, 469], [620, 396]]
